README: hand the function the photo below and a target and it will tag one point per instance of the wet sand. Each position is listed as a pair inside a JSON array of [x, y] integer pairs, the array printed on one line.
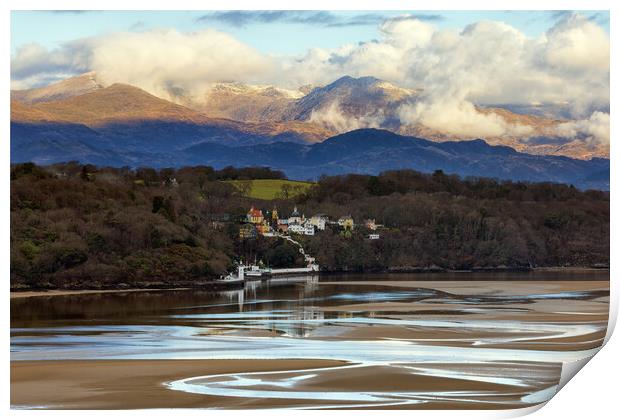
[[505, 287], [131, 384], [139, 384], [353, 343]]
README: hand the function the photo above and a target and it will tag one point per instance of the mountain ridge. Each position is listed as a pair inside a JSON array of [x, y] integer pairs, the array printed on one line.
[[365, 151], [307, 114], [121, 104], [123, 125], [73, 86]]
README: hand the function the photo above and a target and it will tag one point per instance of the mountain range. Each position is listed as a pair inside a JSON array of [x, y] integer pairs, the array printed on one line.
[[306, 132]]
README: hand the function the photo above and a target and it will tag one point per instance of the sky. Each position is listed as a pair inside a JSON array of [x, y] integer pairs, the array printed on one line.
[[53, 28], [457, 59]]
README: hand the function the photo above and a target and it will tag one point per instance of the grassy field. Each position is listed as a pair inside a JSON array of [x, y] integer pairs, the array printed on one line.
[[268, 189]]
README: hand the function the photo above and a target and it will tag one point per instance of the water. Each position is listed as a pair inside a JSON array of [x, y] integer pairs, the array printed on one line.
[[496, 340]]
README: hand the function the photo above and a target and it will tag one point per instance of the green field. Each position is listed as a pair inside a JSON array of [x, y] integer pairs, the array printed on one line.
[[268, 189]]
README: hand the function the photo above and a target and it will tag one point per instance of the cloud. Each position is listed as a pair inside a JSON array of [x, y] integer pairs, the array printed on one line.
[[592, 130], [242, 18], [34, 62], [460, 119], [332, 117], [486, 63], [163, 62], [577, 44]]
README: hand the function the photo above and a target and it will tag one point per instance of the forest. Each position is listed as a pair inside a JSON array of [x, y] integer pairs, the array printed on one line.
[[81, 226]]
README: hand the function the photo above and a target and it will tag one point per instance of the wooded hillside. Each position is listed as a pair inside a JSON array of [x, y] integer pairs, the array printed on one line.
[[76, 226]]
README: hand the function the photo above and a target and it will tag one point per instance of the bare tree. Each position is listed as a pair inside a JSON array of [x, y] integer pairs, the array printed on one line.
[[244, 187], [285, 191]]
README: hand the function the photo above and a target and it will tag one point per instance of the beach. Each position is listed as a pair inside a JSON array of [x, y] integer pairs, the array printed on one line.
[[138, 384], [441, 341], [129, 384]]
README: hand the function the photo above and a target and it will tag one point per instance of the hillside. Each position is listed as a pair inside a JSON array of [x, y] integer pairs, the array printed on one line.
[[117, 103], [123, 110], [350, 103], [364, 97], [262, 114], [270, 189], [364, 151], [371, 151], [83, 227], [242, 102], [73, 86]]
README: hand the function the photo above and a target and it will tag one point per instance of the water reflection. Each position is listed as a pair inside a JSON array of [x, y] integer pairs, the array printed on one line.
[[460, 340]]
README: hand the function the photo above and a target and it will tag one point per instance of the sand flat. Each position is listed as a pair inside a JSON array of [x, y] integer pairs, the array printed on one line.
[[340, 344], [130, 384], [138, 384]]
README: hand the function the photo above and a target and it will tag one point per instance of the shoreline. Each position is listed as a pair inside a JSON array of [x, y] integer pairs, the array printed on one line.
[[19, 294], [490, 270], [66, 292]]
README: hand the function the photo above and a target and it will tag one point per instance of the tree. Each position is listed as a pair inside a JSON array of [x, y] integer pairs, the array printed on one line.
[[244, 187], [285, 191]]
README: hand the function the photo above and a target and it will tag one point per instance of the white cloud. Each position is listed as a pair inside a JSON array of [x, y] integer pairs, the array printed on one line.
[[159, 61], [165, 60], [593, 130], [32, 64], [332, 117], [459, 118], [486, 63], [577, 44]]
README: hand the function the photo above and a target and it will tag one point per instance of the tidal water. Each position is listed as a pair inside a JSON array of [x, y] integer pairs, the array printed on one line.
[[496, 340]]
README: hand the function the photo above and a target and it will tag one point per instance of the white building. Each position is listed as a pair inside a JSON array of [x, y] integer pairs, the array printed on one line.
[[318, 222], [301, 229], [373, 236], [296, 217]]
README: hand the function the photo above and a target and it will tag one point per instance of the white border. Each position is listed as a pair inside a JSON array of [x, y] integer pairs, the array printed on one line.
[[594, 392]]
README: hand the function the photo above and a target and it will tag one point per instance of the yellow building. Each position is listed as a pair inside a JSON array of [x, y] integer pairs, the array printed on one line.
[[346, 222], [263, 227], [255, 216]]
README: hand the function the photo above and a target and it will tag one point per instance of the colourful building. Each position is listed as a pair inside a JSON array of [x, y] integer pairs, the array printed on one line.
[[263, 228], [370, 224], [255, 216], [346, 222]]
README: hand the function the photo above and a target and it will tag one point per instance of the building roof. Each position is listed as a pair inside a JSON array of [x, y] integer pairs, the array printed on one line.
[[255, 212]]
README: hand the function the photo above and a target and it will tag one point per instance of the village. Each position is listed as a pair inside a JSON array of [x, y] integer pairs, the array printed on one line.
[[269, 223]]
